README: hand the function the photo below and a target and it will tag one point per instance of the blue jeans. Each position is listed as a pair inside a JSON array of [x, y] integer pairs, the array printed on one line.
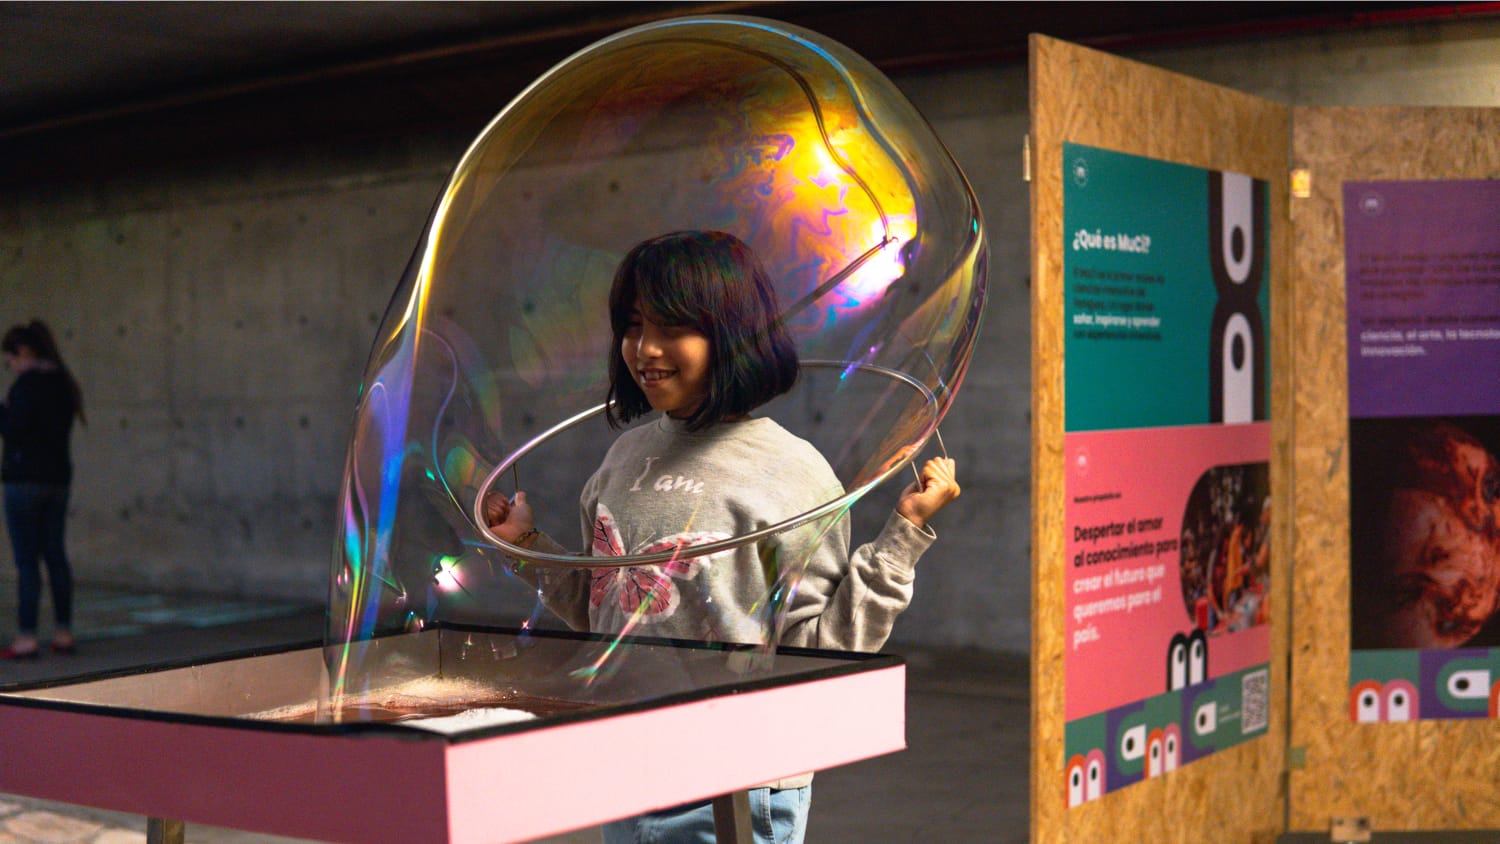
[[777, 817], [34, 516]]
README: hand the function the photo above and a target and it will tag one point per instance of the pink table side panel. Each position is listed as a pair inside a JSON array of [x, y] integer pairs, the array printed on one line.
[[549, 781], [332, 788]]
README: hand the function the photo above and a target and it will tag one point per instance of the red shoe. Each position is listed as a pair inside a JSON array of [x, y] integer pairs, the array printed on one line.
[[63, 647], [12, 653]]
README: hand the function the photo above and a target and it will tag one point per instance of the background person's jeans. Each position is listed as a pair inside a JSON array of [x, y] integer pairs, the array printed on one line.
[[777, 817], [34, 515]]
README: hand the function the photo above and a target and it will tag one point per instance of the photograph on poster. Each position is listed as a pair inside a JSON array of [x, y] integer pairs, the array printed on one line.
[[1226, 549], [1426, 572]]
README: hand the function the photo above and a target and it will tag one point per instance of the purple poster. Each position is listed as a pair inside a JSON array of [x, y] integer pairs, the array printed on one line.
[[1424, 297], [1423, 284]]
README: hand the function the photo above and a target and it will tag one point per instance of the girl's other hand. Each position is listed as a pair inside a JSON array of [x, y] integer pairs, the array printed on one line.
[[508, 518], [920, 501]]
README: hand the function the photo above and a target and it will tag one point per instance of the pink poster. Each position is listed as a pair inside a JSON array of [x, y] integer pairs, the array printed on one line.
[[1168, 560]]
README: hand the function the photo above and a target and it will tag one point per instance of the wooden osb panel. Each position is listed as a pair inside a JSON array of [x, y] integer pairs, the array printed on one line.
[[1422, 775], [1087, 97]]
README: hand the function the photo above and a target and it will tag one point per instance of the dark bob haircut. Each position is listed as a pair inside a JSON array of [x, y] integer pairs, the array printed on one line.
[[711, 282]]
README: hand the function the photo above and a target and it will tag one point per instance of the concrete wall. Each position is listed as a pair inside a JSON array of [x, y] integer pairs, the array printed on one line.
[[219, 316]]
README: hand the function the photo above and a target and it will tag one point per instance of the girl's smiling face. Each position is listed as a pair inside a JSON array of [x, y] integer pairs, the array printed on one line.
[[670, 363]]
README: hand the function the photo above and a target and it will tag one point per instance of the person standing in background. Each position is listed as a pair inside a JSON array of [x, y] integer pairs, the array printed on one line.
[[35, 421]]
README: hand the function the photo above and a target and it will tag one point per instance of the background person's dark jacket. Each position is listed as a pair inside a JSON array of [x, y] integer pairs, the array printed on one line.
[[35, 421]]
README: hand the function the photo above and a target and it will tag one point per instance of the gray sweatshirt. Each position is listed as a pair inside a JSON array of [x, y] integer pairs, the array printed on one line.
[[662, 486]]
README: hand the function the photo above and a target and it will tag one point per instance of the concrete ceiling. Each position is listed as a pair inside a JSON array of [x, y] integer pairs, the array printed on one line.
[[74, 75], [61, 60]]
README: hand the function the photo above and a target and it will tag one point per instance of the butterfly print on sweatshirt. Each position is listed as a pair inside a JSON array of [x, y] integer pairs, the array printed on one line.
[[649, 593]]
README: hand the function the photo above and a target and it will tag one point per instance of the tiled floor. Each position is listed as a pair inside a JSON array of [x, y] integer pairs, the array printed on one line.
[[962, 779]]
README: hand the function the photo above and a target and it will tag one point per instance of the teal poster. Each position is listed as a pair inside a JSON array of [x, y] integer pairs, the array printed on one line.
[[1166, 305], [1167, 441]]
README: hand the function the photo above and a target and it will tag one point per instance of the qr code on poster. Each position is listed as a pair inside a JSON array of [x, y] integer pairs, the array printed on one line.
[[1255, 693]]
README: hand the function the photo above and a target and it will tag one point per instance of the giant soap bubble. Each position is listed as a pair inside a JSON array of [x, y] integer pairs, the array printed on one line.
[[489, 370]]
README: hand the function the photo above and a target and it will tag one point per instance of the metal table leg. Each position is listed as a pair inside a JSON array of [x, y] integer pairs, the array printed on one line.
[[163, 831], [732, 819]]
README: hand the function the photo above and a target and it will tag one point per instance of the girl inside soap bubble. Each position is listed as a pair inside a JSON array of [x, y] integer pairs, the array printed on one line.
[[698, 337]]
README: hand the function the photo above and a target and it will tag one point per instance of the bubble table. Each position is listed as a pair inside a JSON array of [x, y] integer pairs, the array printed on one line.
[[235, 742]]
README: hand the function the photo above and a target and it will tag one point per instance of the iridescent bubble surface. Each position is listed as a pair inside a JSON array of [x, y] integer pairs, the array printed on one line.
[[498, 333]]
